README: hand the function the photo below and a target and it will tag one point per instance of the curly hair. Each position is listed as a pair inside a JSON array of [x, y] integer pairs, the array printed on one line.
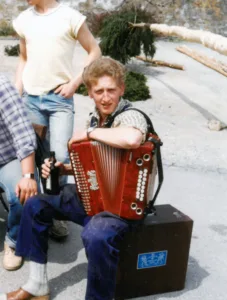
[[101, 67]]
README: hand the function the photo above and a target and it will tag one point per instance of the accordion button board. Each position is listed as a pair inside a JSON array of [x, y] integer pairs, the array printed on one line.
[[154, 257]]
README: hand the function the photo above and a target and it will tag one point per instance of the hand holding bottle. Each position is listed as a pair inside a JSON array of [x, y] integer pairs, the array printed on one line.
[[46, 167], [51, 174]]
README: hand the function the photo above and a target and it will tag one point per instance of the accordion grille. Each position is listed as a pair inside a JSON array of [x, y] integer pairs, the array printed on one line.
[[110, 170]]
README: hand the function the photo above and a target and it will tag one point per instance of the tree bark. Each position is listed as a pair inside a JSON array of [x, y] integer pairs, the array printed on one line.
[[160, 63], [208, 39], [205, 60]]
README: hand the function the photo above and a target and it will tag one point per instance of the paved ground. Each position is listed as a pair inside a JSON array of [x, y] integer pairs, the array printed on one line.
[[195, 168]]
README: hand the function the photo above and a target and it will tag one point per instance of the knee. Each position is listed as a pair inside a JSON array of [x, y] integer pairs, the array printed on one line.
[[32, 206], [94, 242], [99, 247], [15, 209], [10, 194], [13, 199]]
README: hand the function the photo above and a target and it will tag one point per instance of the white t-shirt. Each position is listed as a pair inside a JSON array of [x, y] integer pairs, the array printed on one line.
[[50, 41]]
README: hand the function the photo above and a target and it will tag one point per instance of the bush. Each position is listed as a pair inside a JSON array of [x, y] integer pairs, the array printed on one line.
[[82, 90], [6, 30], [12, 50], [120, 41], [135, 87]]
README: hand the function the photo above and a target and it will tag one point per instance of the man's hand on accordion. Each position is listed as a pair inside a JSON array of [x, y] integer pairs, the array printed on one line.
[[78, 136]]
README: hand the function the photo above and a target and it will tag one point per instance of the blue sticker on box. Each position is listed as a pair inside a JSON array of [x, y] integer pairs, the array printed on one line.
[[152, 259]]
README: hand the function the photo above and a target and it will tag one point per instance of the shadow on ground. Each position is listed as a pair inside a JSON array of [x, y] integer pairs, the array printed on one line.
[[69, 246], [195, 277], [67, 279]]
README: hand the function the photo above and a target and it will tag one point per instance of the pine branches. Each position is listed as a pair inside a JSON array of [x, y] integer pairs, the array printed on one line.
[[120, 41]]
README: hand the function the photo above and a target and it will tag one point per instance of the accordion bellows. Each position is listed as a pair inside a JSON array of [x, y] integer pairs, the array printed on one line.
[[113, 179]]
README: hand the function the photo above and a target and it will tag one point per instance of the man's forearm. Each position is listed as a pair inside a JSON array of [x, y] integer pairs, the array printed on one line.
[[124, 137], [93, 55], [19, 72], [28, 164]]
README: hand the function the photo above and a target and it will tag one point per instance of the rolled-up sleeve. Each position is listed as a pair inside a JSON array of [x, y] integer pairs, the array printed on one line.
[[77, 20], [133, 119], [17, 25], [16, 121]]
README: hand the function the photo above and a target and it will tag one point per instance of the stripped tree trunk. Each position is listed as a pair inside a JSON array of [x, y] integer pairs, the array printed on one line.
[[208, 39], [205, 60], [160, 63]]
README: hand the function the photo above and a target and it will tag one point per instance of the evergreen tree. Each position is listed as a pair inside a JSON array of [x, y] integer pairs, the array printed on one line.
[[120, 41]]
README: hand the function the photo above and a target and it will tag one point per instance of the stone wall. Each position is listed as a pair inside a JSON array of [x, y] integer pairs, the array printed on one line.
[[197, 14]]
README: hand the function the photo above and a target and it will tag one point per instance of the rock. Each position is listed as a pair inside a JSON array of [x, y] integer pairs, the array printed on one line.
[[214, 125]]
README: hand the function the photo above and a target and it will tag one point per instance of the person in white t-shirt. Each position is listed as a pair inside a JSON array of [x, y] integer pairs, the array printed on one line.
[[48, 33]]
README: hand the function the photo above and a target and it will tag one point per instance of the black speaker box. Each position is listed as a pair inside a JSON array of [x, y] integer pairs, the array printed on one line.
[[154, 257]]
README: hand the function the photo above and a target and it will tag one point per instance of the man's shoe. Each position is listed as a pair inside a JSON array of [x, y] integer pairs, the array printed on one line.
[[23, 295], [59, 230], [11, 262]]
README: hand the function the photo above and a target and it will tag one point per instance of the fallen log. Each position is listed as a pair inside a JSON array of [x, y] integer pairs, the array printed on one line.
[[208, 39], [160, 63], [203, 59]]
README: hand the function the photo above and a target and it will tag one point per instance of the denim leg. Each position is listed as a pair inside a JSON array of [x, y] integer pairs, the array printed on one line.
[[101, 238], [57, 113], [10, 174], [35, 109], [61, 122], [37, 218], [37, 114]]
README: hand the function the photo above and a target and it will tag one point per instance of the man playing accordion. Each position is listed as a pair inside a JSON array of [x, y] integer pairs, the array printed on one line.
[[114, 124]]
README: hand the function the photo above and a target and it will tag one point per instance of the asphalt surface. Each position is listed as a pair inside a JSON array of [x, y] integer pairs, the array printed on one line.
[[195, 170]]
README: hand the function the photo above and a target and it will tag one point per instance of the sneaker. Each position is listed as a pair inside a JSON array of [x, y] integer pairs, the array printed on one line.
[[59, 230], [11, 262]]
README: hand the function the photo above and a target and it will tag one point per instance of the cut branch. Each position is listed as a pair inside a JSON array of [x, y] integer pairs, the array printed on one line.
[[208, 39], [205, 60], [160, 63]]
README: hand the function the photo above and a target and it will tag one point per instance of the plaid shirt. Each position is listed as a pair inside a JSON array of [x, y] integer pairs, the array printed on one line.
[[17, 137]]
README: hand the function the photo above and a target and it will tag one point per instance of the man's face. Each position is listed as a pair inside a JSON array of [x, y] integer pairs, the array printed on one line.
[[106, 94]]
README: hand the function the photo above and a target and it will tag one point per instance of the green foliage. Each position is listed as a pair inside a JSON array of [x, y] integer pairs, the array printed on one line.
[[135, 87], [82, 90], [120, 41], [6, 30], [12, 50]]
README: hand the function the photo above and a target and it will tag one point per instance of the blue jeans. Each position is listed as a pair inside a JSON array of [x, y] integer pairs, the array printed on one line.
[[10, 175], [101, 237], [57, 113]]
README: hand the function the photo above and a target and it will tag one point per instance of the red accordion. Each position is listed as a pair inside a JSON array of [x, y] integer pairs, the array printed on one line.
[[112, 179]]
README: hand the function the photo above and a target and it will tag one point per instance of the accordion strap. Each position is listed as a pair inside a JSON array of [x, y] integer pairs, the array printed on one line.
[[158, 144], [150, 127]]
